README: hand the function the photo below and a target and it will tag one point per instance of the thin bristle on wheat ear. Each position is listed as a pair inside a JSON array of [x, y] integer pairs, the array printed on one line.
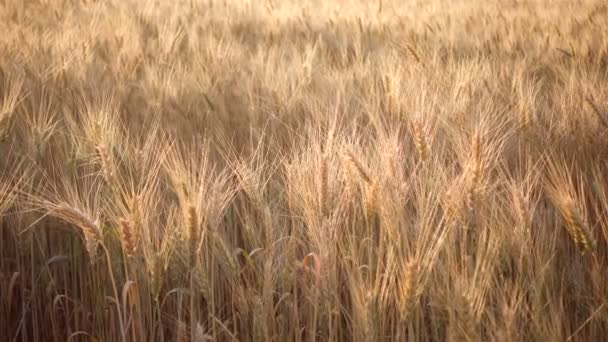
[[128, 238]]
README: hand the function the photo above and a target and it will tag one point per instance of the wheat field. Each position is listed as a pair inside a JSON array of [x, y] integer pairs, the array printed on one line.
[[341, 170]]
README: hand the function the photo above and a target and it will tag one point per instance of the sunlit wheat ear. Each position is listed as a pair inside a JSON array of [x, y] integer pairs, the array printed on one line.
[[371, 200], [468, 318], [315, 268], [156, 270], [407, 289], [355, 164], [521, 208], [348, 179], [563, 194], [89, 227], [8, 102], [452, 202], [466, 312], [601, 115], [509, 329], [387, 96], [136, 214], [193, 232], [420, 140], [128, 237], [352, 172], [107, 166], [475, 172], [182, 192], [575, 224], [201, 278], [323, 186], [524, 118]]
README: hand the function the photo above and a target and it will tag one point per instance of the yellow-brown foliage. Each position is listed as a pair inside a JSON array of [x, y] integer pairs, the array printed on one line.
[[303, 170]]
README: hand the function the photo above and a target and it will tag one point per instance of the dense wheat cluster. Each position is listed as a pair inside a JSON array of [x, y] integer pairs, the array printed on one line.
[[273, 170]]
